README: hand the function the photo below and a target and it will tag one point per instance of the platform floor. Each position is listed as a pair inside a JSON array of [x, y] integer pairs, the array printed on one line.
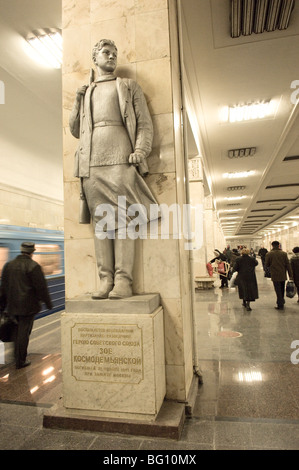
[[249, 398]]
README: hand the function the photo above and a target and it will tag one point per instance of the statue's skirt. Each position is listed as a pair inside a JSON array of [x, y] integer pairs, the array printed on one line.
[[112, 192]]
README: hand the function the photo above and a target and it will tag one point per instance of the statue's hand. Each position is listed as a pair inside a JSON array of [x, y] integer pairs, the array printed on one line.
[[135, 158], [81, 91]]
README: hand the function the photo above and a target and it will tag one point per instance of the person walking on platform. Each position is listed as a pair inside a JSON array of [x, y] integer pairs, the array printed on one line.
[[278, 262], [23, 288], [295, 268], [262, 253], [246, 279]]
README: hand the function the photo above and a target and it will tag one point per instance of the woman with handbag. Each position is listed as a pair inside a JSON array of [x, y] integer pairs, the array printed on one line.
[[246, 279], [223, 277]]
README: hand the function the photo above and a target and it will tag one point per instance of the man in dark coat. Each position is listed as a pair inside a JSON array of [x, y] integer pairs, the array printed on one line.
[[278, 262], [23, 288], [246, 279]]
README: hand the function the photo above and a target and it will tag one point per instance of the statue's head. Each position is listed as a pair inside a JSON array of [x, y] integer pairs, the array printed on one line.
[[104, 55]]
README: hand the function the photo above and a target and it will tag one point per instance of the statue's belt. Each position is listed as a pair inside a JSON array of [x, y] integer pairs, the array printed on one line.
[[107, 123]]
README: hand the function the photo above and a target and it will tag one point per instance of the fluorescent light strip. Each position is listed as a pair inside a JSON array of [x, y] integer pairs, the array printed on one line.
[[238, 174], [48, 48], [248, 112], [234, 198]]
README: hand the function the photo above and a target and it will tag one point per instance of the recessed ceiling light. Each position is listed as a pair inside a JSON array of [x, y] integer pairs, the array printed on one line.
[[234, 198], [248, 112], [239, 174]]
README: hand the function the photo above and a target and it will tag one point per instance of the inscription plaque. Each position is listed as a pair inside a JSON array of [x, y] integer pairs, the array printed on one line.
[[107, 353]]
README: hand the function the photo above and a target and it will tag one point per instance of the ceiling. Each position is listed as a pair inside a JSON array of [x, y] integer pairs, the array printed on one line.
[[218, 71], [223, 71]]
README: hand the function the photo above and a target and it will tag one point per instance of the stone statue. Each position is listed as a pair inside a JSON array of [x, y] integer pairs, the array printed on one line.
[[111, 118]]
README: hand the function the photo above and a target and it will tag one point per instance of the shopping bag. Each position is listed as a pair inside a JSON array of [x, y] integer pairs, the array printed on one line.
[[8, 330], [290, 289], [232, 282], [267, 272], [221, 268]]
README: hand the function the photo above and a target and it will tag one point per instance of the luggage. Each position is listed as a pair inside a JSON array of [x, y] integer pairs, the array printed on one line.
[[8, 330]]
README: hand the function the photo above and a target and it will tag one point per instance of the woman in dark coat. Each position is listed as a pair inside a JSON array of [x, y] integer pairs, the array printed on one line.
[[246, 279]]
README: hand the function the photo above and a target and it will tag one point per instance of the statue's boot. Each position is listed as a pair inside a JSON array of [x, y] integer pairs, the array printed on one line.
[[124, 252], [105, 261]]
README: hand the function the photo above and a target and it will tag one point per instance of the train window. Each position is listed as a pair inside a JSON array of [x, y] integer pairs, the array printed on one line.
[[3, 257], [49, 257]]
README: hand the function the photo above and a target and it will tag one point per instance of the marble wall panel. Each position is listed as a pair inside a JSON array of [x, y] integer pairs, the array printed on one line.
[[174, 326], [110, 10], [175, 382], [18, 207], [75, 13], [142, 6], [121, 31], [80, 267], [152, 38], [161, 159], [161, 267], [76, 49], [154, 77]]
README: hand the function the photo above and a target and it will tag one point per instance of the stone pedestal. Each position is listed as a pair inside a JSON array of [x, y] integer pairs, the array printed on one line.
[[113, 357]]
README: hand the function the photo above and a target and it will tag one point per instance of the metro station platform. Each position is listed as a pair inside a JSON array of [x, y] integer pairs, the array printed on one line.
[[248, 400]]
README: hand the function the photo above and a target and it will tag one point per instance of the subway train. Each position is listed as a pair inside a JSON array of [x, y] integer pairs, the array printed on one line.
[[49, 254]]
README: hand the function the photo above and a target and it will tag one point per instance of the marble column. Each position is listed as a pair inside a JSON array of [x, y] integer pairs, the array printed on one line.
[[146, 35], [209, 227], [197, 198]]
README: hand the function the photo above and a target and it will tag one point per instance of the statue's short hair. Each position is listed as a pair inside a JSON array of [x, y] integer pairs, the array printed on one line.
[[99, 45]]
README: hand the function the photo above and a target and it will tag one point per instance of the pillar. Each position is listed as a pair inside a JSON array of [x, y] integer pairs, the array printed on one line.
[[146, 36]]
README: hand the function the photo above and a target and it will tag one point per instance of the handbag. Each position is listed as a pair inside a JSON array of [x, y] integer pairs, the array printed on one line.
[[290, 289], [267, 272], [8, 330]]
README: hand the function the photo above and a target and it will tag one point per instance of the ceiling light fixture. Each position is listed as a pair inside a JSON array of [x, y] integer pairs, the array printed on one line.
[[248, 112], [47, 48], [239, 174], [258, 16], [235, 198]]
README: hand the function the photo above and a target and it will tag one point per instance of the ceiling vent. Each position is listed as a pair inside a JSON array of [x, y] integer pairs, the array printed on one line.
[[259, 16], [244, 152], [235, 188]]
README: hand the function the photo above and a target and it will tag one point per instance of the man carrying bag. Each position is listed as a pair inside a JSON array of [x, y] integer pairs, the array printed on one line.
[[23, 288]]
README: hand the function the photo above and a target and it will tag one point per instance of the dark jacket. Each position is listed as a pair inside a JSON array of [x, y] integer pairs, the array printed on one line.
[[278, 262], [23, 287], [246, 279], [295, 268], [262, 253]]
